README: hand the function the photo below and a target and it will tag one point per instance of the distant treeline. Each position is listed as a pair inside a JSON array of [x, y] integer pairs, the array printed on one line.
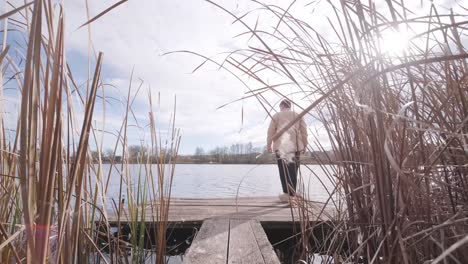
[[134, 154], [234, 154], [246, 154]]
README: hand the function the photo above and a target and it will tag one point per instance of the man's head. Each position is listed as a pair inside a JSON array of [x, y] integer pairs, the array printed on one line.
[[285, 104]]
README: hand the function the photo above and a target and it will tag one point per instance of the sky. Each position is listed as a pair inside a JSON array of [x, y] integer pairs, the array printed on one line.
[[135, 39], [136, 36]]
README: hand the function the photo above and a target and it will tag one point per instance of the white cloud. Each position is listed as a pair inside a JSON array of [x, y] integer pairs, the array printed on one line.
[[137, 33]]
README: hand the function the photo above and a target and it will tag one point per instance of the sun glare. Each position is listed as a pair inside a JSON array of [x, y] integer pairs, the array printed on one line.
[[393, 42]]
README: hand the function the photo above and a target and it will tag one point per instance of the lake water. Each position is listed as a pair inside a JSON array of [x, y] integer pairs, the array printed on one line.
[[226, 180]]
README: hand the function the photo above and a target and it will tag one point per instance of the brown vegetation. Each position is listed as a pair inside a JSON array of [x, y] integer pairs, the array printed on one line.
[[52, 190], [397, 122]]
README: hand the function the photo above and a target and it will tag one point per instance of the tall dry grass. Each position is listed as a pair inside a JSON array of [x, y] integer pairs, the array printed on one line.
[[54, 204], [396, 121]]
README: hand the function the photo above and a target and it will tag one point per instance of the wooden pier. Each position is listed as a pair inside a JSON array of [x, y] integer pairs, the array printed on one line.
[[263, 209], [232, 230], [231, 241]]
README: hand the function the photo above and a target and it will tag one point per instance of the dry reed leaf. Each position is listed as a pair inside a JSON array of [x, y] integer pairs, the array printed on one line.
[[12, 237], [16, 10], [103, 12]]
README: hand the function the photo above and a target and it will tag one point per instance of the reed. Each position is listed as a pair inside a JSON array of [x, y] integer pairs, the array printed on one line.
[[397, 122], [54, 201]]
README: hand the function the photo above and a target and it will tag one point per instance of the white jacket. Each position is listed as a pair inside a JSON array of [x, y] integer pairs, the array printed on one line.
[[292, 140]]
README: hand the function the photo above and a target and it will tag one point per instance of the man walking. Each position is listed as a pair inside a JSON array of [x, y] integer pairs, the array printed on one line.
[[287, 147]]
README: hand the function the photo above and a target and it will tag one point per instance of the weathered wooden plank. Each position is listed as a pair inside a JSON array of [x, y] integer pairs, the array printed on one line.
[[210, 244], [243, 247], [198, 217], [266, 249], [234, 241], [264, 209], [241, 201], [267, 199]]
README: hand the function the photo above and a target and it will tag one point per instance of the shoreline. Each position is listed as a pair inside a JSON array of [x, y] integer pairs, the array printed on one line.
[[219, 163]]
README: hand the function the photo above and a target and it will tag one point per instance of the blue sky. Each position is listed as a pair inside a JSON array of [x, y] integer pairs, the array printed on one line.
[[135, 35]]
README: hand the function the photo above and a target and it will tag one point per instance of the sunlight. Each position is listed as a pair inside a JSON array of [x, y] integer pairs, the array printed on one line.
[[393, 42]]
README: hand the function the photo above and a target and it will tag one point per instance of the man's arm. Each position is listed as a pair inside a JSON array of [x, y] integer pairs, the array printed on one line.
[[271, 132], [303, 130]]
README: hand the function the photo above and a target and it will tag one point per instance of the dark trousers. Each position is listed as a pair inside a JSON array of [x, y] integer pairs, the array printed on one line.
[[288, 173]]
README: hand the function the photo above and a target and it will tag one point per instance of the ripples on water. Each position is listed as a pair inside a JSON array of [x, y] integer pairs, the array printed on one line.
[[224, 180]]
